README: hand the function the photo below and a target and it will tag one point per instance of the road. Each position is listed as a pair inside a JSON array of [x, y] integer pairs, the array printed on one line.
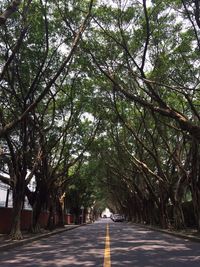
[[105, 244]]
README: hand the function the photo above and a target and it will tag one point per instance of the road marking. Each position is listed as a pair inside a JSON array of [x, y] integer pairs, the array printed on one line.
[[107, 261]]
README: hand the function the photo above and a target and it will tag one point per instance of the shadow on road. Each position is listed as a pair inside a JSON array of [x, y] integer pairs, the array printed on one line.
[[138, 247], [131, 246], [83, 246]]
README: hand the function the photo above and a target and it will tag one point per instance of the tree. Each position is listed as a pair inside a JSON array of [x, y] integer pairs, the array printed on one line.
[[28, 79]]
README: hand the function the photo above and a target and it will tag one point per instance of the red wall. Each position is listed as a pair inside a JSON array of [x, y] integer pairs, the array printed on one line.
[[6, 217], [69, 219]]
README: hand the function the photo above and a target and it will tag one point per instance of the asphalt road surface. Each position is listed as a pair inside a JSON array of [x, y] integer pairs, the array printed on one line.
[[105, 244]]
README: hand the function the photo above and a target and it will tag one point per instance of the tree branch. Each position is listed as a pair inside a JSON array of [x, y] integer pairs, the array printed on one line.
[[12, 8]]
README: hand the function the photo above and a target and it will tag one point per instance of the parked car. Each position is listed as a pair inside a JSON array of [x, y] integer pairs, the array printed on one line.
[[117, 217]]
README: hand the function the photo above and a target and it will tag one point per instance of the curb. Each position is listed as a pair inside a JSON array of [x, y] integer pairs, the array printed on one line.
[[176, 234], [18, 243]]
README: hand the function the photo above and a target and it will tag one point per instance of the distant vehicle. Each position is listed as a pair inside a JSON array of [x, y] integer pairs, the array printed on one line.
[[104, 216], [117, 217]]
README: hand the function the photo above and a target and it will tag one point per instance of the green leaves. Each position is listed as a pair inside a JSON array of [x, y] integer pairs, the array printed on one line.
[[135, 69]]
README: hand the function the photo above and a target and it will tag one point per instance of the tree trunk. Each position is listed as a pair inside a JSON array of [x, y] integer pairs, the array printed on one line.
[[195, 180], [60, 210], [179, 221], [163, 216], [35, 226], [18, 200], [51, 220], [196, 204], [152, 213]]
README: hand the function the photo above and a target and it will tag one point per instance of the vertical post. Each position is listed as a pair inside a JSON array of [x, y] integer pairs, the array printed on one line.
[[7, 197], [82, 214]]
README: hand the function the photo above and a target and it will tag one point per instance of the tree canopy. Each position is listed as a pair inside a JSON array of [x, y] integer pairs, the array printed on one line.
[[100, 101]]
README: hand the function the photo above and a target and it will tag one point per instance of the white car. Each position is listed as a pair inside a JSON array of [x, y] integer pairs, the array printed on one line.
[[117, 218]]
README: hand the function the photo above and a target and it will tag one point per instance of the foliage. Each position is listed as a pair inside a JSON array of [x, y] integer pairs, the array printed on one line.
[[101, 102]]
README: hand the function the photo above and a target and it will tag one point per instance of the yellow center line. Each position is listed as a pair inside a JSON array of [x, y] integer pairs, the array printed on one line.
[[107, 261]]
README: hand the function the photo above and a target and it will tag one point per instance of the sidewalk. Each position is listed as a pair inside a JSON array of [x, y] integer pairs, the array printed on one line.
[[6, 243]]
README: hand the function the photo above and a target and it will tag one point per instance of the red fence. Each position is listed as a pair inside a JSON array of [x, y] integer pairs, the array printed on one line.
[[6, 217]]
